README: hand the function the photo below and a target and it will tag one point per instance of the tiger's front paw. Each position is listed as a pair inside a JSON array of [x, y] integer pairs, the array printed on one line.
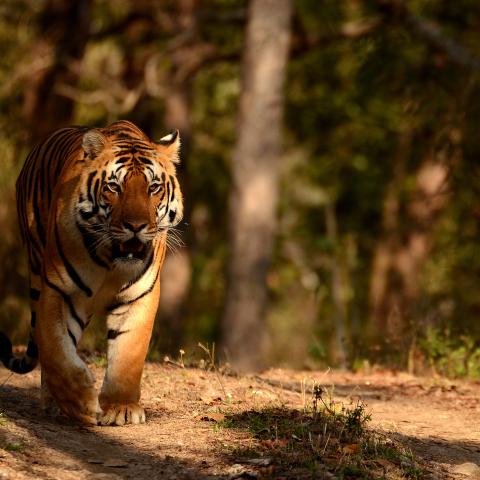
[[122, 414]]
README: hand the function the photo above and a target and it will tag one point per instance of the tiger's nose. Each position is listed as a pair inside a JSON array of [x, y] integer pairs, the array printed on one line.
[[134, 226]]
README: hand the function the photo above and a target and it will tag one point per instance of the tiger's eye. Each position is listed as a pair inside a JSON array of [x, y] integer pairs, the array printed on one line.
[[111, 187], [155, 188]]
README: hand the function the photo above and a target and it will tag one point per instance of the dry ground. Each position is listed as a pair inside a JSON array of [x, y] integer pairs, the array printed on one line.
[[198, 428]]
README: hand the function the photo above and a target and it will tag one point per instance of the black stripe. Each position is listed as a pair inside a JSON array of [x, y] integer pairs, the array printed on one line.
[[146, 292], [72, 336], [36, 214], [33, 319], [89, 184], [88, 215], [32, 241], [68, 301], [27, 173], [71, 134], [95, 189], [35, 252], [34, 294], [35, 269], [145, 160], [89, 240], [69, 267], [121, 160], [58, 154], [173, 187], [113, 334]]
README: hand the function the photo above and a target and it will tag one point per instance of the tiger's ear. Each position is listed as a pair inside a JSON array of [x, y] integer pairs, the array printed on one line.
[[93, 143], [170, 144]]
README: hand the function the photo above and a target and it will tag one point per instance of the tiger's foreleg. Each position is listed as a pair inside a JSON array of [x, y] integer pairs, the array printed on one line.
[[129, 332], [69, 381]]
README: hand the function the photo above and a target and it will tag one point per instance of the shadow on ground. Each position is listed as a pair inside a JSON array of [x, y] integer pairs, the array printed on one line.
[[85, 452]]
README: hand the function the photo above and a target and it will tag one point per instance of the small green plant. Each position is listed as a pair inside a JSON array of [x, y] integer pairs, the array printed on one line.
[[14, 447], [3, 418], [451, 356], [178, 363]]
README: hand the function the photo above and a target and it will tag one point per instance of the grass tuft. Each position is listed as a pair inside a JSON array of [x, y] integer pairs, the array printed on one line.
[[325, 437]]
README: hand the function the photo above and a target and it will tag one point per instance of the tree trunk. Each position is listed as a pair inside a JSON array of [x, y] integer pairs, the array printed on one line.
[[337, 287], [400, 257], [255, 172], [177, 269], [63, 30]]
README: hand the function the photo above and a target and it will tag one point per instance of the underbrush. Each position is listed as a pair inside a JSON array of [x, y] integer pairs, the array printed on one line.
[[451, 356], [325, 439]]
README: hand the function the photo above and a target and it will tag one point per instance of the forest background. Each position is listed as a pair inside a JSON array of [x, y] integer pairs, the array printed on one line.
[[329, 165]]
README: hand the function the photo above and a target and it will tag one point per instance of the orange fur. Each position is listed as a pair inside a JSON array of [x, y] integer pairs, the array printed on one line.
[[95, 207]]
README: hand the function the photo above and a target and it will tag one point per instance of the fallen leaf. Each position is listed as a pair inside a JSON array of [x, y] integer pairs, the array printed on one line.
[[207, 400], [210, 417], [351, 448], [278, 443], [115, 463], [383, 463], [259, 462]]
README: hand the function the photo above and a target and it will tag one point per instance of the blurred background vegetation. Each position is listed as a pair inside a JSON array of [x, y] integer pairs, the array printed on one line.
[[373, 257]]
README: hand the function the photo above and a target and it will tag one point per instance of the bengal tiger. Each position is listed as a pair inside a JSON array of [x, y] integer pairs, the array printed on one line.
[[95, 206]]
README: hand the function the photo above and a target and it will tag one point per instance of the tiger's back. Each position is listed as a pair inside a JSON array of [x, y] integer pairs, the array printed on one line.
[[36, 186]]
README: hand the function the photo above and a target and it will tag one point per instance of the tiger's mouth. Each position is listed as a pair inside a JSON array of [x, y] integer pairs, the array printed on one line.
[[132, 249]]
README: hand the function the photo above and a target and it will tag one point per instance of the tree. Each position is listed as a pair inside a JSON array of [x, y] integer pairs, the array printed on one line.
[[63, 28], [255, 172]]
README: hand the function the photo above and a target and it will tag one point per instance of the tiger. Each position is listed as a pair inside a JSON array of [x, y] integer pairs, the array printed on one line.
[[95, 207]]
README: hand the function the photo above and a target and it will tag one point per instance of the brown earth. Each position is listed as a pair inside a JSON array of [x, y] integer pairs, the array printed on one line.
[[438, 420]]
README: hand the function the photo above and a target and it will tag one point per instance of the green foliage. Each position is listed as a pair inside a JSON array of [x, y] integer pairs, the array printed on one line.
[[451, 356], [363, 113]]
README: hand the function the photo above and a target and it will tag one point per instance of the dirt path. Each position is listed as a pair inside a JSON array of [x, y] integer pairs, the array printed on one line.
[[439, 421]]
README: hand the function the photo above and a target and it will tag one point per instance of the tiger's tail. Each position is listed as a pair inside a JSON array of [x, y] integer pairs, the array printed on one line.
[[23, 364]]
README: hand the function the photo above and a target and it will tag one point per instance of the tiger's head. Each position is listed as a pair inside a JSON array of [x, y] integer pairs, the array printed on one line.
[[129, 193]]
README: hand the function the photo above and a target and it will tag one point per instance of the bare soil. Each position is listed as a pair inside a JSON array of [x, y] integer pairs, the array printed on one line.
[[185, 436]]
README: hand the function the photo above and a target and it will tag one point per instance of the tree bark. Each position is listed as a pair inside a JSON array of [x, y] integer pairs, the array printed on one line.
[[177, 269], [255, 172], [63, 29], [400, 257], [337, 287]]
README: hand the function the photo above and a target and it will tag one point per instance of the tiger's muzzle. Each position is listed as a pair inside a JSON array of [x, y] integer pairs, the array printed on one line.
[[131, 250]]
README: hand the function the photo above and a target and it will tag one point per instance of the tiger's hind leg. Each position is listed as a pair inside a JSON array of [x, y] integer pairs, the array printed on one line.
[[129, 332]]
